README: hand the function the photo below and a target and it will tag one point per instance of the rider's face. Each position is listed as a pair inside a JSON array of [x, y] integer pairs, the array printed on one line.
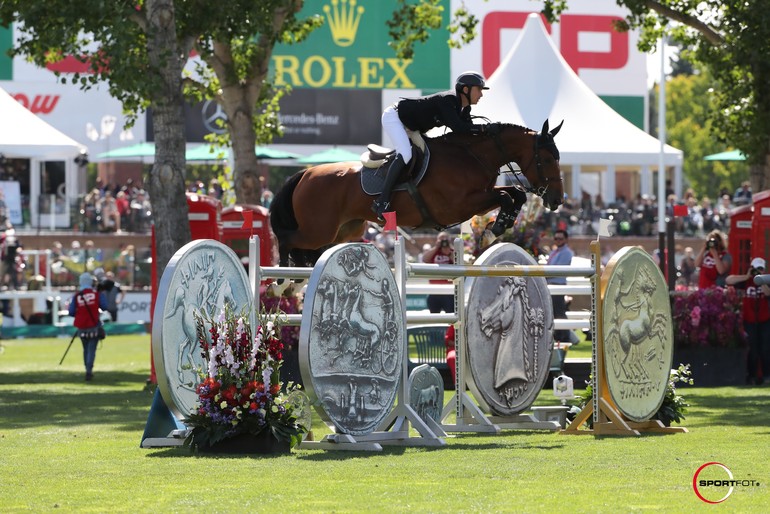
[[476, 93]]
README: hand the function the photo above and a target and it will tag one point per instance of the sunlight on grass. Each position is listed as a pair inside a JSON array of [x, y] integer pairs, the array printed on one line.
[[72, 445]]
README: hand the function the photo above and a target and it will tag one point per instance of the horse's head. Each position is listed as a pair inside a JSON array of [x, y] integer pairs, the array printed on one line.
[[539, 162]]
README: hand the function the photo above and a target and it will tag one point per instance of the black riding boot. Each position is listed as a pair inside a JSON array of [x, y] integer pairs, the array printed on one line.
[[382, 203]]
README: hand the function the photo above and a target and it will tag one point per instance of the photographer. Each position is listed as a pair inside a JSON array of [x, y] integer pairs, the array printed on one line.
[[756, 320], [714, 261], [440, 253]]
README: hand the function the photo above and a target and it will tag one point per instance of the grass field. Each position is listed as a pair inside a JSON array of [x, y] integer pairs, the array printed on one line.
[[71, 446]]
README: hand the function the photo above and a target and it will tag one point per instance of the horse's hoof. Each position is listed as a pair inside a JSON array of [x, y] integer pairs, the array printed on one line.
[[498, 229]]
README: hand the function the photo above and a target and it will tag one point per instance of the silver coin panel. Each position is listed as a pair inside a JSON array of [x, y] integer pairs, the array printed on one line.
[[352, 338], [426, 392], [509, 330], [201, 276]]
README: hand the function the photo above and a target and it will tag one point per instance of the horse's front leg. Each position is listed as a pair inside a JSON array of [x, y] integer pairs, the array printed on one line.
[[509, 208]]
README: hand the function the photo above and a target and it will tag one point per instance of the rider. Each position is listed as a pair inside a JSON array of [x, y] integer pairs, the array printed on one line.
[[448, 108]]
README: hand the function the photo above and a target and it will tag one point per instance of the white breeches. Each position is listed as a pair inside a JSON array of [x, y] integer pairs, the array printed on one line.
[[397, 133]]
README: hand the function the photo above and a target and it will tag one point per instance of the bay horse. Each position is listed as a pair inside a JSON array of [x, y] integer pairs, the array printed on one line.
[[326, 205]]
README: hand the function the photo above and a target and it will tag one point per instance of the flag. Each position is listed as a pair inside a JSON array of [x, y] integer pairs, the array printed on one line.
[[390, 221], [680, 210], [248, 220], [604, 227]]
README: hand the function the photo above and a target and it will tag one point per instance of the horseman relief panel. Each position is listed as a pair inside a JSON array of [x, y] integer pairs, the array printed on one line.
[[202, 276], [638, 333], [352, 338], [509, 334]]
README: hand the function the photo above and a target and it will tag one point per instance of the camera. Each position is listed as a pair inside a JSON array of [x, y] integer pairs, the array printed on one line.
[[444, 243], [712, 243], [753, 272]]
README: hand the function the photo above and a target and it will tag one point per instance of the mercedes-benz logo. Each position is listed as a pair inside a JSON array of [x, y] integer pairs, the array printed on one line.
[[210, 113]]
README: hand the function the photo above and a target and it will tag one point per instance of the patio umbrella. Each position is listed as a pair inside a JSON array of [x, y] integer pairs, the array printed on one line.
[[732, 155], [133, 152], [205, 153], [331, 155]]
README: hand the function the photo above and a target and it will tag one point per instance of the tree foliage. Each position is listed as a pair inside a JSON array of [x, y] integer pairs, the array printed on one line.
[[689, 106], [141, 47]]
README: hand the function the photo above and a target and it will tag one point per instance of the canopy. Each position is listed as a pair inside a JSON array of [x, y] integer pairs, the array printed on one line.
[[330, 155], [132, 152], [25, 135], [534, 83], [198, 153], [732, 155]]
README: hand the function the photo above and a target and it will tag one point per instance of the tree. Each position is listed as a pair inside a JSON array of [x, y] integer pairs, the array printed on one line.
[[731, 38], [688, 127], [140, 48]]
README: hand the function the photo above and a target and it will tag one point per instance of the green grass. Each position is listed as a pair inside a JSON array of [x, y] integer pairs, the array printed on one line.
[[71, 446]]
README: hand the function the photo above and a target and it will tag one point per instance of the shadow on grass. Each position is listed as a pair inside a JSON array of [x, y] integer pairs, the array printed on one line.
[[65, 399], [741, 406]]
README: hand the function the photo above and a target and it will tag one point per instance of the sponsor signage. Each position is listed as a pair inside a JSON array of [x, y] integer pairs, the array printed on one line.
[[134, 308], [351, 51]]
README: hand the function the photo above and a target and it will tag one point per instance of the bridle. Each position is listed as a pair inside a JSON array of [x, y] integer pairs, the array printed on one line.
[[537, 145]]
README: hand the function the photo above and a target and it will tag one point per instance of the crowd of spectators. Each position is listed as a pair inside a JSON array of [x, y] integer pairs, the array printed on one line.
[[112, 208]]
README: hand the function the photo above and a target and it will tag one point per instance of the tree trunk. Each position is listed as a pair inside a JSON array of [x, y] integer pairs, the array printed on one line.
[[166, 183], [240, 112]]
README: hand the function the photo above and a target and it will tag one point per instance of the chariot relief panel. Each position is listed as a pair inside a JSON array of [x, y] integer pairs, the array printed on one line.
[[352, 342]]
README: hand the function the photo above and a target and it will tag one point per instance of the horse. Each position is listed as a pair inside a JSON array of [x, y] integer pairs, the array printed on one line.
[[326, 205]]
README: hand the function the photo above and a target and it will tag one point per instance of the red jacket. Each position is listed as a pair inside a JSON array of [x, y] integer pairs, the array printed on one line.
[[86, 308]]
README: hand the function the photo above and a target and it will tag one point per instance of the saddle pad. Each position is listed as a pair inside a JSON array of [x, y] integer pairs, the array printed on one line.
[[372, 179]]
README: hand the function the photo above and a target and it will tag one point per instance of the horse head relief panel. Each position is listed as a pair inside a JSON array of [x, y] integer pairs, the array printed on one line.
[[509, 330]]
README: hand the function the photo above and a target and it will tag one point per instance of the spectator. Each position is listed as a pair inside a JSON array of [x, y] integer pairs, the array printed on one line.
[[714, 261], [561, 255], [111, 290], [687, 267], [451, 354], [742, 195], [141, 212], [756, 320], [84, 307], [267, 196], [440, 253], [124, 207], [110, 214]]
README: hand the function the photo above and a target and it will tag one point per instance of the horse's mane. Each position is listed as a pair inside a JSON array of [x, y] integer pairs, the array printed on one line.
[[461, 138]]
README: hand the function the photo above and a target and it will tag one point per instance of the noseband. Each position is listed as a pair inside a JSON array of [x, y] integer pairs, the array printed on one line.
[[541, 178]]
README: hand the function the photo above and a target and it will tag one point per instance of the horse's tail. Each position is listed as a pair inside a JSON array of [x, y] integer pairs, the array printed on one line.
[[282, 218]]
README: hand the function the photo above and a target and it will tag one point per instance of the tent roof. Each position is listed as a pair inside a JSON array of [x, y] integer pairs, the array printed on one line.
[[534, 83], [25, 135]]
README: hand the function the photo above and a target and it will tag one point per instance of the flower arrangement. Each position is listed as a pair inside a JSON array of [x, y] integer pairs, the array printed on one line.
[[240, 390], [672, 409], [708, 317]]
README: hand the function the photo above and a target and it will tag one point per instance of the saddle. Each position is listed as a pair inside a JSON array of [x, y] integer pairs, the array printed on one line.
[[376, 161]]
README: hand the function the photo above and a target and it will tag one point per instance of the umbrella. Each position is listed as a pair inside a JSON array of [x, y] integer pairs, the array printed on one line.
[[209, 153], [263, 152], [130, 153], [206, 153], [732, 155], [331, 155]]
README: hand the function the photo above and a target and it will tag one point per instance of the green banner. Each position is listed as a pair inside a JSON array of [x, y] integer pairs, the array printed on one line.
[[6, 63], [351, 51]]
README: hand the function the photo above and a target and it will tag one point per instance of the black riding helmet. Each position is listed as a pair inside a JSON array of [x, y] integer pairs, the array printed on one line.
[[470, 78]]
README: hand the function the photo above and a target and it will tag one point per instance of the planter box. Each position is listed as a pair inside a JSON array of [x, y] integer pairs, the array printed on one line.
[[712, 366]]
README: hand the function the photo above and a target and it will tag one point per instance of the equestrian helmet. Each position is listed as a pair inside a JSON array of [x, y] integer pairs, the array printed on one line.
[[470, 78]]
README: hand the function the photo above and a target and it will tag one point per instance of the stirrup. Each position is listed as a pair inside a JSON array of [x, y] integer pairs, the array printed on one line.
[[378, 208]]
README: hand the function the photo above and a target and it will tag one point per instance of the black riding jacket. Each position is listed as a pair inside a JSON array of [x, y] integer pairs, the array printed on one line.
[[437, 110]]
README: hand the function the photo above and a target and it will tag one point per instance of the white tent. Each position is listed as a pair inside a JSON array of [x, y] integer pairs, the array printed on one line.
[[534, 83], [25, 135]]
